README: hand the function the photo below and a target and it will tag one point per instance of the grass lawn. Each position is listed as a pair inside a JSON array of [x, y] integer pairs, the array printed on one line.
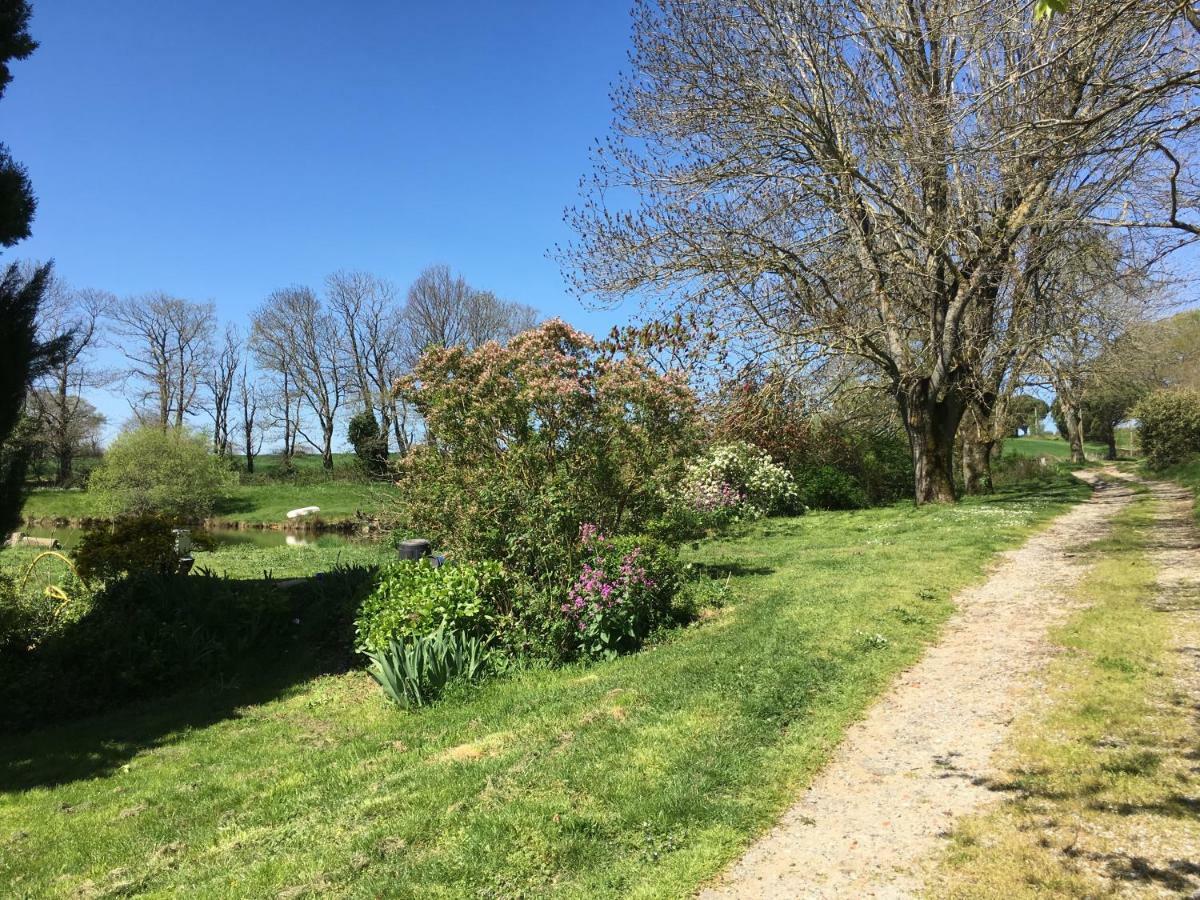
[[1098, 775], [1187, 474], [251, 503], [1049, 446], [638, 777]]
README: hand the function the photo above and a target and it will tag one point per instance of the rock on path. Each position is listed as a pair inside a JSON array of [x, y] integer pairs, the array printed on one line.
[[922, 755]]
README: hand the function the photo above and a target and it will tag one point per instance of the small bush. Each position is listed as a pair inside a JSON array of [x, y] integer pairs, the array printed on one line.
[[414, 599], [1169, 426], [623, 592], [163, 472], [416, 670], [131, 546], [733, 482], [825, 487]]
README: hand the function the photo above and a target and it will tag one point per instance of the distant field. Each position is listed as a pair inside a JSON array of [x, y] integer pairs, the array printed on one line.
[[1048, 446]]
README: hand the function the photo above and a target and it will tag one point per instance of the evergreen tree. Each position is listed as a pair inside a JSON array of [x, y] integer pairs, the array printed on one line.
[[22, 356]]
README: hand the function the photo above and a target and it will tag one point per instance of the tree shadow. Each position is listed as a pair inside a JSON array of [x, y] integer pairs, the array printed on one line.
[[99, 745], [231, 506], [731, 569], [62, 733]]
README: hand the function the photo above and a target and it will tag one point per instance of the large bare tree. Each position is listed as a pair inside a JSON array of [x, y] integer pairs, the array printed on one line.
[[867, 177], [443, 310], [220, 378], [295, 336], [374, 334], [166, 342]]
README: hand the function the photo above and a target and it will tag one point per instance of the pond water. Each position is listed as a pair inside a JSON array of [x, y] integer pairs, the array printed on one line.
[[223, 537]]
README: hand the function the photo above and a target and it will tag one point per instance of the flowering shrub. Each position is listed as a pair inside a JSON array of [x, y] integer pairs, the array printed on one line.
[[623, 592], [731, 482], [524, 442]]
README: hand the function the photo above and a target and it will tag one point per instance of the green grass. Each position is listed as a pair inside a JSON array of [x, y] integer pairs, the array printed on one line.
[[1049, 446], [1100, 785], [638, 777], [251, 503]]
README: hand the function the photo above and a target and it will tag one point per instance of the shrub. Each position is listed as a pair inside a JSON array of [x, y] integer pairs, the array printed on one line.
[[826, 487], [141, 544], [622, 593], [1169, 426], [527, 441], [413, 599], [737, 481], [415, 670], [363, 434], [164, 472]]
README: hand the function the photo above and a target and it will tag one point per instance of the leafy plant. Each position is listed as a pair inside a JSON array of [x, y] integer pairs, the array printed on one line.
[[140, 544], [414, 671], [734, 482], [622, 593], [525, 442], [163, 472], [413, 599], [1169, 426]]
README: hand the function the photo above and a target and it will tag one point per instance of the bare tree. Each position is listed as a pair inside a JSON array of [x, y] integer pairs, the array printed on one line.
[[220, 378], [166, 342], [253, 432], [293, 335], [66, 420], [865, 176], [374, 335], [444, 310]]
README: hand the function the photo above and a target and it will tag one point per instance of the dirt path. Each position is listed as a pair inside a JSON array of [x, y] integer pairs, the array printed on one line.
[[919, 758]]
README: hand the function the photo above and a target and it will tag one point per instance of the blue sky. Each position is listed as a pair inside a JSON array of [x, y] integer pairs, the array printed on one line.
[[220, 151]]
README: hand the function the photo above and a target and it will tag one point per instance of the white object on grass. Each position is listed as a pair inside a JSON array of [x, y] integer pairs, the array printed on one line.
[[303, 511]]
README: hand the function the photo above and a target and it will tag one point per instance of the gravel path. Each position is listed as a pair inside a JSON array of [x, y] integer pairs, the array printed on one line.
[[921, 756]]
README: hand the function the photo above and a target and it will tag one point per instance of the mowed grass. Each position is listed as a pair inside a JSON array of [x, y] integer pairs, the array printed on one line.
[[638, 777], [1101, 783], [1051, 446], [252, 504]]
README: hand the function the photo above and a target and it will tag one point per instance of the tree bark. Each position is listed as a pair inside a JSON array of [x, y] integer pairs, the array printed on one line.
[[1074, 419], [931, 424]]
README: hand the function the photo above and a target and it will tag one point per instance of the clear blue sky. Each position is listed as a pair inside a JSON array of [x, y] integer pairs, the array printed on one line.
[[219, 151]]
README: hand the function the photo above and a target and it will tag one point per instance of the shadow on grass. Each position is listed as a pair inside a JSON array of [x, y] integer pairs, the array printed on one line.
[[98, 745], [731, 570], [232, 506], [156, 656]]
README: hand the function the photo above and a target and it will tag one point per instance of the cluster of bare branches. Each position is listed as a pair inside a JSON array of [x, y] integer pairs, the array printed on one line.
[[885, 181], [304, 362]]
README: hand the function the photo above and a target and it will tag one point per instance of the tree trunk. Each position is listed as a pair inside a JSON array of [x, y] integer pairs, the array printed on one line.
[[1074, 420], [977, 445], [931, 425], [1112, 444], [977, 465]]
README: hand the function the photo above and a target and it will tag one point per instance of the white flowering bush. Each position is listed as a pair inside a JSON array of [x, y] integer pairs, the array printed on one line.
[[732, 482]]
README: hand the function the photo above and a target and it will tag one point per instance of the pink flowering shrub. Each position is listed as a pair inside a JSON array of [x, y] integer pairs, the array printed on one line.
[[623, 592], [525, 441]]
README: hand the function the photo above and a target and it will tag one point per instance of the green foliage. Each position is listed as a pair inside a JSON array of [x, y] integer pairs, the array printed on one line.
[[413, 599], [165, 472], [737, 481], [1025, 413], [1169, 426], [526, 442], [363, 434], [769, 412], [414, 671], [131, 546], [624, 591], [826, 487]]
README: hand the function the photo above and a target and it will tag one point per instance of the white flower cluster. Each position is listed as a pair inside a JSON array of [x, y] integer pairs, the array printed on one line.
[[740, 470]]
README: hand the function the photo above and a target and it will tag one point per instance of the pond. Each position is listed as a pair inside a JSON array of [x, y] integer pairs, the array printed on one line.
[[223, 537]]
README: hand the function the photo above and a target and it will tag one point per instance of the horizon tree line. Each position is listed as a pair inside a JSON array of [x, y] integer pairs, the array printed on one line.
[[302, 363]]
